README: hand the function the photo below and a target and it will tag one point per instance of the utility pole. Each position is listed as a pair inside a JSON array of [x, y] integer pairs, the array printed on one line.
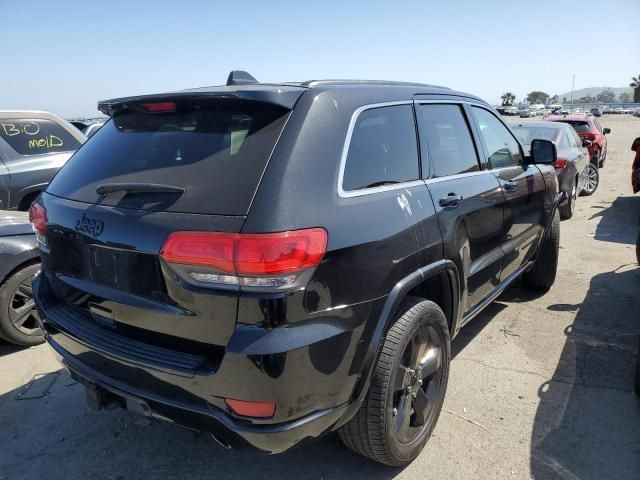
[[573, 82]]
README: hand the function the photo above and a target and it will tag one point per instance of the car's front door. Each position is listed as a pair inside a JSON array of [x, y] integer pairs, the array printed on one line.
[[522, 185], [467, 199]]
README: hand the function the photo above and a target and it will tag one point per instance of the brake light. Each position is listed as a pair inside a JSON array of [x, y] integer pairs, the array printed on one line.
[[258, 260], [560, 163], [38, 220], [161, 107], [251, 409]]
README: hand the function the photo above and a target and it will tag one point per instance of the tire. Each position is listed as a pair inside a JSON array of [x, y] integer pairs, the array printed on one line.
[[600, 159], [543, 273], [593, 180], [380, 430], [567, 210], [16, 305]]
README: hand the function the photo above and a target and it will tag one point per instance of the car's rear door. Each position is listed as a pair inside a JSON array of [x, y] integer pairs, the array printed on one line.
[[578, 155], [468, 200], [522, 185]]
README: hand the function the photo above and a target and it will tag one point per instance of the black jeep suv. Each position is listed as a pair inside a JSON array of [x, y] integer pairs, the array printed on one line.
[[268, 263]]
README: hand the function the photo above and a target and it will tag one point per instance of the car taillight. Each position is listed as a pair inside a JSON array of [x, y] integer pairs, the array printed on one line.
[[560, 163], [38, 219], [252, 260]]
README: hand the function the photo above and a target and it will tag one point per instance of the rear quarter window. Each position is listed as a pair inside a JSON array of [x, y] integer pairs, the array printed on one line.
[[580, 127], [37, 136], [383, 148]]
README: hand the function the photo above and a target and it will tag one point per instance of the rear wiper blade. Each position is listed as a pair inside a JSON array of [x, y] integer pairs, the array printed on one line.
[[132, 187]]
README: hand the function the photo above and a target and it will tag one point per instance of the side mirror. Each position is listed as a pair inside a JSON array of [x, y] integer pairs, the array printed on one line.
[[586, 143], [606, 131], [635, 146], [543, 151]]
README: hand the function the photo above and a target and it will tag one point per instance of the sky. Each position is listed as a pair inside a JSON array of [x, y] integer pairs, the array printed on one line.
[[65, 56]]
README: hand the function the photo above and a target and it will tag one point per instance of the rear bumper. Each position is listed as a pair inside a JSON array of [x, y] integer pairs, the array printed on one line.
[[311, 380], [271, 438]]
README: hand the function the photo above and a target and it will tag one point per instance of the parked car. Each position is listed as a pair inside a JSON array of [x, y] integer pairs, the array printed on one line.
[[524, 113], [33, 147], [19, 262], [511, 111], [596, 112], [92, 129], [251, 261], [576, 174], [589, 128], [636, 112]]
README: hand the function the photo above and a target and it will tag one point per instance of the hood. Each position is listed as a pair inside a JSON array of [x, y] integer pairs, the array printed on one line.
[[14, 223]]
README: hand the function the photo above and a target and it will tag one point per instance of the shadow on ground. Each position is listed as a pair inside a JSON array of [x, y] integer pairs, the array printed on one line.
[[63, 439], [616, 219], [588, 422]]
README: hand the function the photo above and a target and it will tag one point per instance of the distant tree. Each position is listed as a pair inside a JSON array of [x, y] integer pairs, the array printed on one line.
[[624, 97], [554, 99], [606, 96], [538, 97], [635, 84], [508, 99], [586, 99]]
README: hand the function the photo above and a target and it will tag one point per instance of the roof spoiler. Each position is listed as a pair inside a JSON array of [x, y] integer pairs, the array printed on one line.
[[240, 77]]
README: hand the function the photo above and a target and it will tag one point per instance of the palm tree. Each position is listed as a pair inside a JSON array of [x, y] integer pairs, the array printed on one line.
[[508, 99], [635, 84]]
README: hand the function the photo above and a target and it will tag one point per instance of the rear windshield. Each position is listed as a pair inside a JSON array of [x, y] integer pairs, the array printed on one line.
[[580, 127], [37, 136], [526, 134], [216, 152]]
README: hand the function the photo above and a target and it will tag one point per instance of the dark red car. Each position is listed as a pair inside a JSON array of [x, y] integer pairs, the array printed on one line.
[[589, 128]]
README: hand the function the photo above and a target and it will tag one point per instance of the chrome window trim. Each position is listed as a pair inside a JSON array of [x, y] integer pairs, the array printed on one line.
[[345, 151], [446, 178]]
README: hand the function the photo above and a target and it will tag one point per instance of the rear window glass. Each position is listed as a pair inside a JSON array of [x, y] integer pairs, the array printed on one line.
[[581, 127], [216, 152], [37, 136], [527, 134], [383, 148]]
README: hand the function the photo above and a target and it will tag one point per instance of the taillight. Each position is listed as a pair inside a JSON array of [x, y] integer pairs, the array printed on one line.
[[38, 219], [560, 163], [252, 260]]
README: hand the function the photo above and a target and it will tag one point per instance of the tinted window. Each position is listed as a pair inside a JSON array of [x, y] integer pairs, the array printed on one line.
[[597, 124], [502, 147], [525, 133], [571, 139], [216, 151], [383, 148], [36, 136], [448, 139], [581, 127]]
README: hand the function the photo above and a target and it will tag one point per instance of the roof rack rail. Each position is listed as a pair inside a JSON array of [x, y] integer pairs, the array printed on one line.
[[240, 77]]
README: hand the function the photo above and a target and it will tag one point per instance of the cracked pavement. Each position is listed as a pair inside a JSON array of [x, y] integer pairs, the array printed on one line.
[[540, 386]]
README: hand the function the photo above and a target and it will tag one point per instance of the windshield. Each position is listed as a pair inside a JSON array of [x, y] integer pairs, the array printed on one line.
[[215, 152], [527, 134]]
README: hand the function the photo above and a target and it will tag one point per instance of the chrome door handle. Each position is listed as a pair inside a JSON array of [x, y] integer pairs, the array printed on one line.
[[510, 186], [451, 200]]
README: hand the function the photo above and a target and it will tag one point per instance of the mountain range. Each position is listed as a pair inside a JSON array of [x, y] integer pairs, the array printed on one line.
[[593, 91]]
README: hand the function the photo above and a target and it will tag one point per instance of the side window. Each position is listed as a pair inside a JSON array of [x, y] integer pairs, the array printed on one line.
[[36, 136], [502, 147], [383, 148], [571, 139], [445, 131], [576, 138], [598, 126]]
